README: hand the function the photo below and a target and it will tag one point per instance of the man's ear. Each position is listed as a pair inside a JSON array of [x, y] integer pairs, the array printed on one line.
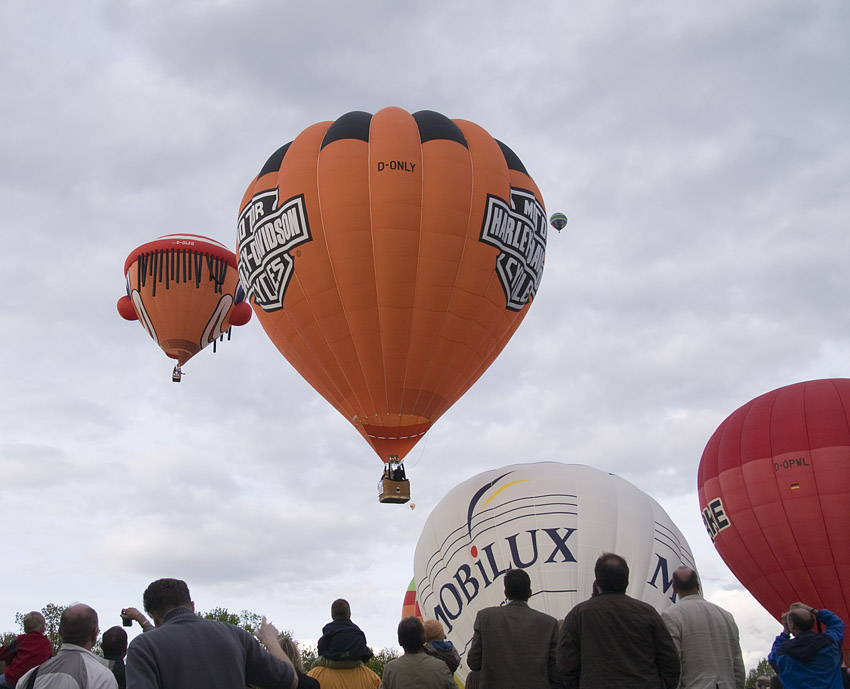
[[192, 605]]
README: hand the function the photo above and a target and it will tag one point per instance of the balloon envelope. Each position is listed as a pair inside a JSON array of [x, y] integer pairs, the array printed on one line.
[[184, 290], [553, 520], [774, 491], [558, 221], [390, 258], [410, 606]]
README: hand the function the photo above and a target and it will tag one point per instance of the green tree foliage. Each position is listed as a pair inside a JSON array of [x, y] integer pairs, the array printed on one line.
[[52, 614], [378, 661], [308, 657], [249, 621], [763, 669]]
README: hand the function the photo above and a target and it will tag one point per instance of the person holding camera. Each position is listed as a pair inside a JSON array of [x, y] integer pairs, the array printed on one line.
[[810, 660]]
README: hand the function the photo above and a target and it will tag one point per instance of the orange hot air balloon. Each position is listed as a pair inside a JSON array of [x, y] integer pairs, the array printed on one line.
[[184, 290], [390, 258], [774, 490]]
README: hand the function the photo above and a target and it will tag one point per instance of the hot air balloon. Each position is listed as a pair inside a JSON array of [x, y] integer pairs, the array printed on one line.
[[184, 290], [390, 257], [553, 520], [774, 491], [410, 607], [558, 221]]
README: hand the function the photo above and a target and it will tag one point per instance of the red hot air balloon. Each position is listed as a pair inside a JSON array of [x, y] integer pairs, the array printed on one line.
[[390, 258], [774, 490], [184, 290]]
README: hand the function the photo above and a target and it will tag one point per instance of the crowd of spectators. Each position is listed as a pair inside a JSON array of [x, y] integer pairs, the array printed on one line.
[[609, 640]]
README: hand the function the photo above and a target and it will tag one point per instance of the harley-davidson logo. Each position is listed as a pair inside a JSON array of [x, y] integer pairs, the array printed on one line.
[[519, 231], [267, 234]]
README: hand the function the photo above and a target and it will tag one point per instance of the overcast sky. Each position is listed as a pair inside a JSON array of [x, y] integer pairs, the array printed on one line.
[[700, 150]]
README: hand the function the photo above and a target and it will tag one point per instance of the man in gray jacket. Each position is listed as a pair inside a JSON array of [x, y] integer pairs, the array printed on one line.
[[706, 638], [415, 668], [514, 645], [185, 651]]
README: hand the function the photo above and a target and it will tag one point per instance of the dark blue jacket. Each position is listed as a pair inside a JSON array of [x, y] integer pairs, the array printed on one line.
[[343, 640]]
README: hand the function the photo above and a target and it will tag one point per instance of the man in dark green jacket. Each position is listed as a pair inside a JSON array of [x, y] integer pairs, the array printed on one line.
[[613, 640]]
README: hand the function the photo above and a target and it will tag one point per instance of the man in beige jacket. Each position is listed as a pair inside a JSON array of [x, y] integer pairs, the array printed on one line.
[[706, 637]]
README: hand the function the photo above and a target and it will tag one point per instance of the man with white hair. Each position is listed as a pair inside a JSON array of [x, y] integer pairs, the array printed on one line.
[[706, 637], [74, 665]]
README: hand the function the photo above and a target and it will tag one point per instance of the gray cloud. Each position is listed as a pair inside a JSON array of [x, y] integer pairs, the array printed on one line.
[[699, 153]]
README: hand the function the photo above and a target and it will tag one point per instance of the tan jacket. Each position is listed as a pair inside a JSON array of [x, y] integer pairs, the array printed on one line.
[[706, 638]]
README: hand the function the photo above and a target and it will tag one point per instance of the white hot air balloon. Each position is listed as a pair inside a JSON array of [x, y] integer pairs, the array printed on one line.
[[553, 520]]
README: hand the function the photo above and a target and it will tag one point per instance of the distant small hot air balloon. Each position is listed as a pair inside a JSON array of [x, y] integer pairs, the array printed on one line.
[[558, 221], [184, 290], [774, 491], [390, 258]]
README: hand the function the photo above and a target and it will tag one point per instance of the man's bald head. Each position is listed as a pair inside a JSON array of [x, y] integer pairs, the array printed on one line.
[[78, 626], [800, 620], [685, 581]]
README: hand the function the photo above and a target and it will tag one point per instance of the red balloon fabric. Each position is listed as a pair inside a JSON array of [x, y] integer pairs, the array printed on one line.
[[774, 490], [241, 314], [126, 309]]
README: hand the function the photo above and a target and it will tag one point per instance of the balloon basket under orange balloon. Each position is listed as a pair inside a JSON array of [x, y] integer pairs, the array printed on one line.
[[394, 486], [397, 492]]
